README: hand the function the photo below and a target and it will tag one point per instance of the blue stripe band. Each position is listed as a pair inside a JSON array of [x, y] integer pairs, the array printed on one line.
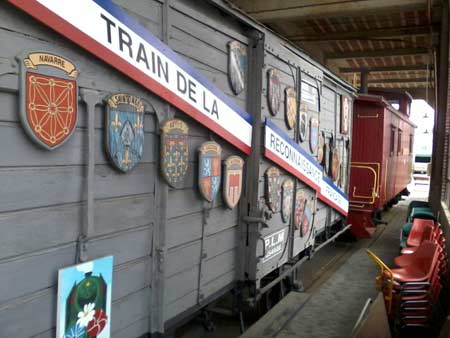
[[334, 187]]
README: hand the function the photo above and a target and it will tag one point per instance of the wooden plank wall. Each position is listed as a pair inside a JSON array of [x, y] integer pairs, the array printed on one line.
[[42, 207], [201, 237]]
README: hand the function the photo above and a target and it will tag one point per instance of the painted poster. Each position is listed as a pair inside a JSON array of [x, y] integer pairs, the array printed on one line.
[[209, 169], [237, 66], [174, 151], [287, 199], [232, 183], [274, 91], [84, 300], [303, 122], [273, 188], [48, 98], [291, 107], [345, 114], [124, 130]]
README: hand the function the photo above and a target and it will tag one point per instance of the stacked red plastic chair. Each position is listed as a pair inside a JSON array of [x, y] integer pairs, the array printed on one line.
[[413, 287]]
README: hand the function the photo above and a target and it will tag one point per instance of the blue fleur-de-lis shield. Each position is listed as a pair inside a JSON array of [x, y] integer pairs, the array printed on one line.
[[124, 130], [209, 170], [174, 151]]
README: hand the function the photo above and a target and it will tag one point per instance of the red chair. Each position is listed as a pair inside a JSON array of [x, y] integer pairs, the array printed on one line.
[[411, 290], [417, 287], [418, 226]]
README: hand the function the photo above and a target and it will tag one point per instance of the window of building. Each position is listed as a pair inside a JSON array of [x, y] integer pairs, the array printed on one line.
[[399, 143]]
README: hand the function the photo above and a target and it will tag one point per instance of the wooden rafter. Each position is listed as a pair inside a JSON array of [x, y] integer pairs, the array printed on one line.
[[381, 33], [377, 53], [384, 69], [273, 10]]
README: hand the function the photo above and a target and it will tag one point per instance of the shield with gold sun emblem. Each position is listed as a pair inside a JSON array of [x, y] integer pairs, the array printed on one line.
[[48, 98]]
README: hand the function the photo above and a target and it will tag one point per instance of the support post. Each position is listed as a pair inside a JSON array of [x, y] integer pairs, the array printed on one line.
[[248, 206], [364, 89], [441, 112]]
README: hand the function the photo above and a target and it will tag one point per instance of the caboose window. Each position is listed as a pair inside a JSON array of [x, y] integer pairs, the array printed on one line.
[[411, 143], [392, 142], [399, 142]]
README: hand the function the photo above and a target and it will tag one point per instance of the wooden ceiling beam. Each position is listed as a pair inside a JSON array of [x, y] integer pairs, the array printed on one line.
[[376, 53], [273, 10], [381, 33], [401, 80], [384, 69]]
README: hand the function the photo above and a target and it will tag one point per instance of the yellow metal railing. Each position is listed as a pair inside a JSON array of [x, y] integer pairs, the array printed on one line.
[[385, 280]]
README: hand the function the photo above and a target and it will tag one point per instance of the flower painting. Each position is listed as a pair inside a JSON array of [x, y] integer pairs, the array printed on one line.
[[84, 300]]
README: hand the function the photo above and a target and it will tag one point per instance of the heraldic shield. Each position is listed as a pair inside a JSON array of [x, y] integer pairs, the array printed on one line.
[[307, 219], [291, 107], [286, 202], [209, 169], [303, 122], [273, 188], [320, 149], [314, 134], [124, 130], [232, 184], [237, 66], [299, 209], [335, 164], [174, 151], [274, 91], [48, 98]]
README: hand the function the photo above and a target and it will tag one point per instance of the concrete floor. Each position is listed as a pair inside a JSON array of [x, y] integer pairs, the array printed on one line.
[[340, 279]]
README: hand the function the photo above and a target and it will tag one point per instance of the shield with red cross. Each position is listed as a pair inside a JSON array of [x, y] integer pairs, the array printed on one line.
[[232, 184], [48, 98]]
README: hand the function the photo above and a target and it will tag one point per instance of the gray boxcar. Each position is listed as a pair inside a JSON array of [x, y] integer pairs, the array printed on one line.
[[320, 91]]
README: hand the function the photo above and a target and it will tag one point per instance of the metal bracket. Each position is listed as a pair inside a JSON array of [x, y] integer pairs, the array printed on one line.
[[160, 257], [82, 248]]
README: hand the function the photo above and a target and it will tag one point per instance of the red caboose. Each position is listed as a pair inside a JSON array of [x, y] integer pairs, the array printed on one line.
[[381, 165]]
